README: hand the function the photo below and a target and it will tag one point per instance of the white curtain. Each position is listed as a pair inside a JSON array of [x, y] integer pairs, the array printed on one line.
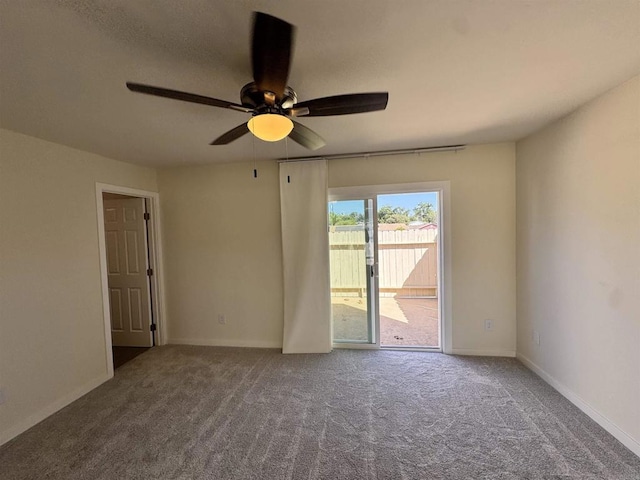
[[305, 249]]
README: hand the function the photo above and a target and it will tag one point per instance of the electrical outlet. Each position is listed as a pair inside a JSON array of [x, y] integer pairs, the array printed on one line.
[[222, 320], [488, 325], [3, 395]]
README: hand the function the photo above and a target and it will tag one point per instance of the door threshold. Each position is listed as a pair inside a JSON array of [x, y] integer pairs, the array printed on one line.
[[373, 346], [409, 348], [356, 346]]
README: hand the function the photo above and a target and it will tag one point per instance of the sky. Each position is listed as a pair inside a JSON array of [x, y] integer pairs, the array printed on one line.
[[405, 200]]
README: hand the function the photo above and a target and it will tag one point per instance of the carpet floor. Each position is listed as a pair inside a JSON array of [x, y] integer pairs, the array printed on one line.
[[179, 412]]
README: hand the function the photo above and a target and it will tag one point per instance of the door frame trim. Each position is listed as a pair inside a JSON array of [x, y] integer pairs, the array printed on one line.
[[155, 260], [445, 285]]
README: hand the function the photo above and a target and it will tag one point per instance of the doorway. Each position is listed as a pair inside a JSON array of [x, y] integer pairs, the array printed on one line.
[[129, 276], [386, 267], [129, 245]]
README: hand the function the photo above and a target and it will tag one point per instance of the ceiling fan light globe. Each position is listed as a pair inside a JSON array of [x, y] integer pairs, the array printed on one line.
[[270, 127]]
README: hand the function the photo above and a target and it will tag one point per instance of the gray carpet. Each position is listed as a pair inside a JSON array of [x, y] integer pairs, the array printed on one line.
[[179, 412]]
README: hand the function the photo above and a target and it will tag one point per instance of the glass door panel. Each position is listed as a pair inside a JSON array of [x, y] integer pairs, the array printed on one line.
[[352, 265], [408, 269]]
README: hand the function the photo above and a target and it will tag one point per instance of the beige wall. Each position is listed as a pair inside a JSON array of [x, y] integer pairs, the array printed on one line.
[[578, 233], [52, 345], [223, 254], [222, 243], [482, 185]]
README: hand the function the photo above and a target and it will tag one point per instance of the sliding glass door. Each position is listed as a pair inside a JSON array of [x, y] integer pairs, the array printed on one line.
[[408, 262], [353, 274], [385, 251]]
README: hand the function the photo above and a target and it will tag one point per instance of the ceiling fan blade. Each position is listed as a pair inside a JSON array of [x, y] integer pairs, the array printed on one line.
[[271, 53], [231, 135], [185, 97], [306, 137], [343, 104]]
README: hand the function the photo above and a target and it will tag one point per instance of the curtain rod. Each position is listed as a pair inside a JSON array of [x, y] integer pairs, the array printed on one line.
[[378, 153]]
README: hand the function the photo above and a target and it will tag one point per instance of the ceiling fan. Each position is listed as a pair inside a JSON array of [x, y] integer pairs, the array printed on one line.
[[269, 100]]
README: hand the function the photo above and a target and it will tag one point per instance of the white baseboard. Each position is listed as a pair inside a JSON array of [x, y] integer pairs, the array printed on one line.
[[624, 438], [52, 408], [224, 343], [483, 353]]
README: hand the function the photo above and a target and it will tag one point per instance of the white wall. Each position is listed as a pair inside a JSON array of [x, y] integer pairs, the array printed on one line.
[[222, 245], [52, 346], [482, 180], [223, 254], [578, 233]]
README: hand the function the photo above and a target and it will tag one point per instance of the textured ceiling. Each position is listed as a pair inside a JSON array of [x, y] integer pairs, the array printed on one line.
[[456, 71]]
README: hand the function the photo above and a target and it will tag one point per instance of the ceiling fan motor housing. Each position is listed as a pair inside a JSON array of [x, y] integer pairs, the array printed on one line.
[[264, 102]]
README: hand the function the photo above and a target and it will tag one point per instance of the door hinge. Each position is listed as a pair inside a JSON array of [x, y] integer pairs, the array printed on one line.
[[147, 216], [153, 327], [149, 272]]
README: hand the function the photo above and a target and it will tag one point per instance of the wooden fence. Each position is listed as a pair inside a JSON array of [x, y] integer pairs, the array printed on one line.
[[407, 263]]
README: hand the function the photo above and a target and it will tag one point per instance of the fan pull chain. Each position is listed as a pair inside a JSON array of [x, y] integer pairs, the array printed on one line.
[[286, 149], [255, 170]]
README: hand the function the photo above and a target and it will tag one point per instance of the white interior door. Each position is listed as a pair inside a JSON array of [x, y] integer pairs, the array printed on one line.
[[129, 299]]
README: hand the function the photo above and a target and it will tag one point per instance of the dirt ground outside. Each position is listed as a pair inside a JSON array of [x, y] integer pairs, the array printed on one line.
[[403, 321]]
